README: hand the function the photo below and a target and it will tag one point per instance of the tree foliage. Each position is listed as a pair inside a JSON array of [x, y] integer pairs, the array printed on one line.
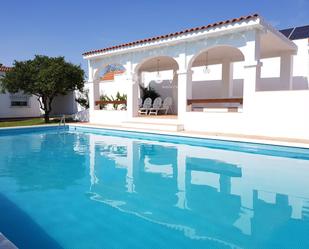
[[45, 77], [148, 92], [83, 98]]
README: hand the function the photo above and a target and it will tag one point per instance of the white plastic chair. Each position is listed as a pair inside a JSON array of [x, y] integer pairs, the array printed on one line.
[[167, 104], [157, 104], [146, 106], [140, 103]]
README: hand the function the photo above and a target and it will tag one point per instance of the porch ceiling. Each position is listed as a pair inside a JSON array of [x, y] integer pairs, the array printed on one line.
[[159, 63], [274, 44], [216, 56]]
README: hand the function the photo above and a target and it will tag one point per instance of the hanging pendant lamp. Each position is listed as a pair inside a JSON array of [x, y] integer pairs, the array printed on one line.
[[158, 79], [206, 69]]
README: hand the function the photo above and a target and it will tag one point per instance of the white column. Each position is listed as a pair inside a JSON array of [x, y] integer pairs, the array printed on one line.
[[94, 95], [286, 70], [93, 86], [252, 74], [184, 91], [174, 85], [227, 79], [252, 69], [132, 97]]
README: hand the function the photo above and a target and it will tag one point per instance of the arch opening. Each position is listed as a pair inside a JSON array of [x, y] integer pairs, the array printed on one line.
[[217, 79], [157, 77], [112, 87]]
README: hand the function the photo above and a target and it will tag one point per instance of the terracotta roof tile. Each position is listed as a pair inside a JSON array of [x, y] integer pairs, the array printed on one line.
[[111, 75], [171, 34], [5, 69]]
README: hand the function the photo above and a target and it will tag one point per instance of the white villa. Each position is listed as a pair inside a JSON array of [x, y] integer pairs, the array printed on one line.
[[20, 105], [240, 76]]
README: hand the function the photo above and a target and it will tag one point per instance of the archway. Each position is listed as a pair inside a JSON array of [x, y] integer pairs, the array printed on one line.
[[217, 79], [111, 86], [157, 76], [107, 72]]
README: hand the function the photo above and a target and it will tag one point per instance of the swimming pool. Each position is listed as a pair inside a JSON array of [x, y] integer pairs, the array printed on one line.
[[91, 188]]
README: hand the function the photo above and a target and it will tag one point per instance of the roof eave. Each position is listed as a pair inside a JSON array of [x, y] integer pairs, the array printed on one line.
[[277, 33], [215, 31]]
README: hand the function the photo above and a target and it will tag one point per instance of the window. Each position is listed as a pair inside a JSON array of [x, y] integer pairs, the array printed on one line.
[[19, 100]]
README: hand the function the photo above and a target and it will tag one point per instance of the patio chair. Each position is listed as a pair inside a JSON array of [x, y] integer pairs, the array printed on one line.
[[167, 105], [157, 104], [146, 106], [140, 103]]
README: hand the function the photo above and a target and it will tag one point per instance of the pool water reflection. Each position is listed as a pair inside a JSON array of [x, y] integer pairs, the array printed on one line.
[[88, 190]]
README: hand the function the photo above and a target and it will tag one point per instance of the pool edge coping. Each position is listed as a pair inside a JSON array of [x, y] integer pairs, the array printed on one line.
[[186, 134], [5, 243], [28, 126]]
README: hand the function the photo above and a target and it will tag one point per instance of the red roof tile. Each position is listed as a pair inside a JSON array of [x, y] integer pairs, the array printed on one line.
[[171, 34], [111, 75], [5, 69]]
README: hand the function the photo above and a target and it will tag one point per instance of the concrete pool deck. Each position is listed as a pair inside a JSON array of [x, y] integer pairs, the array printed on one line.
[[5, 243]]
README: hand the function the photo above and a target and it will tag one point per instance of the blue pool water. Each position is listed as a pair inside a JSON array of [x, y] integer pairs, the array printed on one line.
[[89, 188]]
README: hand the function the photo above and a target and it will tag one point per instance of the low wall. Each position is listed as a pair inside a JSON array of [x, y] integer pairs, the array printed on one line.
[[108, 117], [279, 113]]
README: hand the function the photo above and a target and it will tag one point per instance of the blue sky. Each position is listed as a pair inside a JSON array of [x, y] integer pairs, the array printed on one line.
[[68, 28]]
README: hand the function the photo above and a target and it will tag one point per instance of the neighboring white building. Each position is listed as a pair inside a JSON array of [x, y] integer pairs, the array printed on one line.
[[239, 76], [20, 105]]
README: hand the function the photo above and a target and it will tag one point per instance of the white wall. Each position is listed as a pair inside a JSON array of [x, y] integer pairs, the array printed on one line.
[[109, 117], [6, 111], [269, 109], [61, 105], [111, 87], [275, 113], [64, 104]]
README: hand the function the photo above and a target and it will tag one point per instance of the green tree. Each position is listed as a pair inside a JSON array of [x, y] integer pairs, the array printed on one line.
[[45, 77]]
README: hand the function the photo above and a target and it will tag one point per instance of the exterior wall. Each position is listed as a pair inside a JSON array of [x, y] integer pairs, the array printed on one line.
[[272, 103], [111, 87], [61, 105], [277, 113], [6, 111], [109, 117], [65, 104]]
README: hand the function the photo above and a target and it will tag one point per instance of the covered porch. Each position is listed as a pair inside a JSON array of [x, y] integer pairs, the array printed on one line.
[[215, 75]]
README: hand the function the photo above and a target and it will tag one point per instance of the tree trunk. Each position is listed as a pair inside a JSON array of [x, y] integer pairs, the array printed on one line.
[[47, 101], [46, 117]]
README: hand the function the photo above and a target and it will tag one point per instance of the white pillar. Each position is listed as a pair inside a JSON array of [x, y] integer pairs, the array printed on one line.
[[252, 74], [184, 91], [286, 70], [227, 79], [132, 97], [252, 69], [174, 85], [94, 95]]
